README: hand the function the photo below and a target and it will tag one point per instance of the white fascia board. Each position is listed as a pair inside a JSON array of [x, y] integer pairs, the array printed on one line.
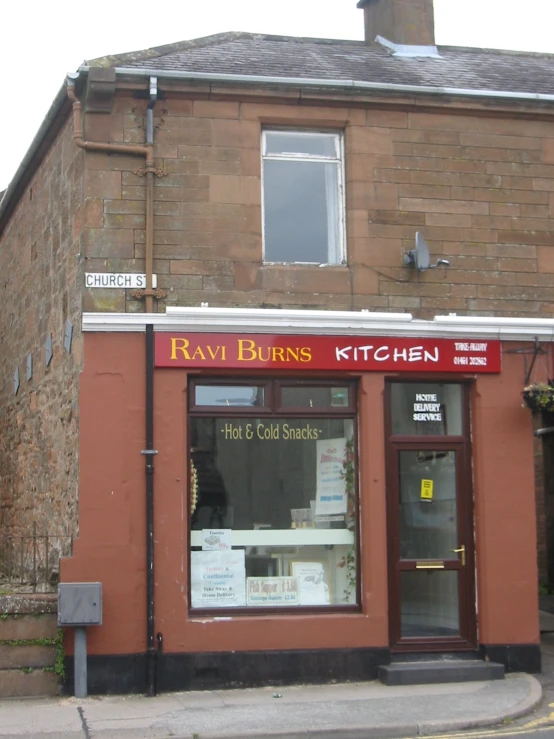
[[315, 322]]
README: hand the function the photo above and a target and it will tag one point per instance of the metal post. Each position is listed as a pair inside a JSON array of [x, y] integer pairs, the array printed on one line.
[[80, 662]]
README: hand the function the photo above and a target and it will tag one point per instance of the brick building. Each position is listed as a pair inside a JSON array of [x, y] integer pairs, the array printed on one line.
[[292, 444]]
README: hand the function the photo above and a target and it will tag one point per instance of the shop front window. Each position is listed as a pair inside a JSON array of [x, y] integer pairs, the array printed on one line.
[[273, 499], [426, 409]]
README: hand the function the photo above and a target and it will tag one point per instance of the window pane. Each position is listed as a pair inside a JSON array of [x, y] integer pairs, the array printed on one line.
[[425, 409], [310, 144], [223, 395], [314, 397], [301, 212], [281, 493], [428, 523], [429, 604]]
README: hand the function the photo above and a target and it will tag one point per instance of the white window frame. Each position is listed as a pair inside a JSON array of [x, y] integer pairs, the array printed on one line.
[[293, 156]]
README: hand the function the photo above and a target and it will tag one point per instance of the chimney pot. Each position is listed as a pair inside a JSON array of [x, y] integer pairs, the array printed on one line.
[[409, 22]]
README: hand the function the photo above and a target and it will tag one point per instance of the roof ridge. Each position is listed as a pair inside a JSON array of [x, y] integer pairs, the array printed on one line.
[[499, 52], [155, 52]]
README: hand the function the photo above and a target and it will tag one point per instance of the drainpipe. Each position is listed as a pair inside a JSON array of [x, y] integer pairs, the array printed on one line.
[[149, 223], [146, 151], [150, 452], [151, 652]]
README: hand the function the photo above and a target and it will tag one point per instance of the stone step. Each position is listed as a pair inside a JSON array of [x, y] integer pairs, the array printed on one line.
[[26, 668], [26, 655], [36, 683], [439, 671], [16, 627]]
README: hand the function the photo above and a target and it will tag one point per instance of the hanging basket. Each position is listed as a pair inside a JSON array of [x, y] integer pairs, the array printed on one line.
[[539, 396]]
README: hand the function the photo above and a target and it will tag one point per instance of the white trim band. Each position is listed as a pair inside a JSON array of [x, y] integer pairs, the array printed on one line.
[[330, 323]]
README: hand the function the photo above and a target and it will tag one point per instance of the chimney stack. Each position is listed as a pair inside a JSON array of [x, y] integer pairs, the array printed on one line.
[[401, 21]]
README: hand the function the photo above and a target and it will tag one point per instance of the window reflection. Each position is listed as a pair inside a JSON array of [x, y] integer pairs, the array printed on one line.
[[278, 493], [314, 397], [222, 395], [426, 409]]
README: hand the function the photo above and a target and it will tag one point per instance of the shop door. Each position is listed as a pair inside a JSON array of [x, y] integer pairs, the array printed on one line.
[[432, 605]]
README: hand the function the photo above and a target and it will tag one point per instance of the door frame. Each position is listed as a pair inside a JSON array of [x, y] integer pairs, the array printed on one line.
[[461, 445]]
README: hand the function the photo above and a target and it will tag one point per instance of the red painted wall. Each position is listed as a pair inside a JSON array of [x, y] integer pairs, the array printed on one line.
[[505, 518], [111, 544]]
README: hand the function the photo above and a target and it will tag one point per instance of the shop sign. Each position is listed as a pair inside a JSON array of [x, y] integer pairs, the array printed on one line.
[[270, 431], [307, 353]]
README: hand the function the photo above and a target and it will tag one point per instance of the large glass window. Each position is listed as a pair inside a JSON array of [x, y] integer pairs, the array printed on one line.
[[273, 500], [302, 197]]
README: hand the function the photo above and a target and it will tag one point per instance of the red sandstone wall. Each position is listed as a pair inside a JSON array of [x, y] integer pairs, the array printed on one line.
[[475, 182], [40, 264]]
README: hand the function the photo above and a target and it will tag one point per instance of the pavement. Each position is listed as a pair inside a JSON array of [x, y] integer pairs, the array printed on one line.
[[338, 711]]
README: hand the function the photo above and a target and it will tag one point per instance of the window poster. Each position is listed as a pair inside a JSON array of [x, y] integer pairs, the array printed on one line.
[[218, 578], [216, 539], [312, 582], [331, 487], [272, 591]]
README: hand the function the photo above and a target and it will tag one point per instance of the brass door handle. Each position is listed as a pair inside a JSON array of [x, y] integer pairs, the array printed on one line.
[[462, 552]]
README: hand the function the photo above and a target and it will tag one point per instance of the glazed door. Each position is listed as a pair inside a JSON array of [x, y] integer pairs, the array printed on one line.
[[430, 543]]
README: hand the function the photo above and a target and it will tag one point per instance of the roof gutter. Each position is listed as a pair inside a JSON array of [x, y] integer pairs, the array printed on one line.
[[314, 82], [322, 322]]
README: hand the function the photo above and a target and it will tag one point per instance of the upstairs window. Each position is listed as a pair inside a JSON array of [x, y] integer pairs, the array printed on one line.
[[302, 197]]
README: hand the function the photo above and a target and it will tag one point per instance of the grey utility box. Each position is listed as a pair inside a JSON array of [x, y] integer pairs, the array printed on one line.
[[80, 604]]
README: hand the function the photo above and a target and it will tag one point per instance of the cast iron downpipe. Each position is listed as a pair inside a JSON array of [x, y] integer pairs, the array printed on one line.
[[150, 452], [151, 653], [146, 151]]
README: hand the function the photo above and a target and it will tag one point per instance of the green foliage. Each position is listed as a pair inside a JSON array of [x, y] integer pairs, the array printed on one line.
[[349, 560], [28, 642], [539, 396], [349, 476], [59, 664]]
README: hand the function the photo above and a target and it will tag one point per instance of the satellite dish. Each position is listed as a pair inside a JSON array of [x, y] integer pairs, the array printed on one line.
[[419, 257]]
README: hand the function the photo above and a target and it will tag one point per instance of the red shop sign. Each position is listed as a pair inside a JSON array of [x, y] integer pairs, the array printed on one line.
[[306, 353]]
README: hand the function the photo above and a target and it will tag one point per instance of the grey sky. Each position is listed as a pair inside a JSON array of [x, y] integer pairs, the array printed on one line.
[[42, 41]]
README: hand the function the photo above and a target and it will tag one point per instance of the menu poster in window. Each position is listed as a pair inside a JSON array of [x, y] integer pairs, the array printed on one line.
[[272, 591], [312, 581], [216, 539], [331, 486], [218, 579]]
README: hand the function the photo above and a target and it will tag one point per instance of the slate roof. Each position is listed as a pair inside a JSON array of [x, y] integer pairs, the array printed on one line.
[[284, 56]]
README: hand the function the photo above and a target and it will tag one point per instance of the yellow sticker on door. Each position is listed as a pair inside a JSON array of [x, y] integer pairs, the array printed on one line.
[[427, 490]]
